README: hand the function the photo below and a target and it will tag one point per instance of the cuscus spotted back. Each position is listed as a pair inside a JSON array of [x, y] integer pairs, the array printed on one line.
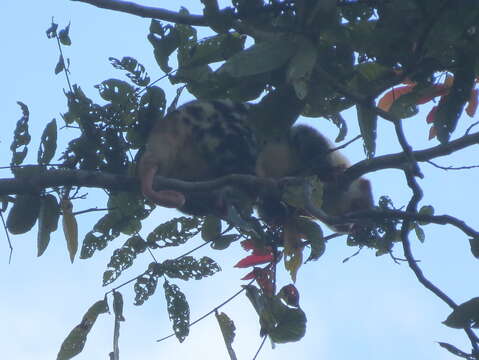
[[200, 140]]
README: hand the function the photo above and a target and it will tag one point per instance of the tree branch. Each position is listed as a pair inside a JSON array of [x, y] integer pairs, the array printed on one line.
[[95, 179], [175, 17], [414, 216], [399, 160], [148, 11], [63, 177]]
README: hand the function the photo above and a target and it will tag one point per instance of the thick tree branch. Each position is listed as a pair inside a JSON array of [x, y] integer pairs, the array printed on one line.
[[50, 178], [175, 17], [62, 177], [147, 11], [95, 179]]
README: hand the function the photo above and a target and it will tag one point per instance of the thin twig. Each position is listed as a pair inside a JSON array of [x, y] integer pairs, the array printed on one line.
[[383, 214], [8, 238], [260, 347], [65, 69], [210, 312], [90, 210], [452, 167], [346, 144], [470, 127], [152, 255]]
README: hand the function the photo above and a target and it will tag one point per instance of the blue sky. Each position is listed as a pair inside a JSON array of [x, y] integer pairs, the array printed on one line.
[[368, 307]]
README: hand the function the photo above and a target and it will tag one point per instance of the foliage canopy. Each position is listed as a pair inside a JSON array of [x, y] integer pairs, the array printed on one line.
[[292, 58]]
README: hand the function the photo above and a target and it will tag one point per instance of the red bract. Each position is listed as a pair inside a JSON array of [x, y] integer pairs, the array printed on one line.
[[434, 91], [392, 95], [247, 245], [472, 105], [252, 260], [432, 115]]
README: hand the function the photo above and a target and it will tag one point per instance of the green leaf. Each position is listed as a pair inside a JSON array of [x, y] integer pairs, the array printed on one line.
[[367, 119], [165, 39], [145, 286], [75, 341], [373, 71], [291, 326], [47, 221], [451, 105], [136, 72], [301, 67], [188, 267], [215, 48], [70, 228], [60, 66], [48, 144], [117, 91], [211, 228], [466, 314], [426, 210], [282, 323], [227, 328], [256, 297], [174, 232], [178, 310], [419, 233], [123, 258], [260, 58], [24, 214], [118, 306], [313, 233], [224, 241]]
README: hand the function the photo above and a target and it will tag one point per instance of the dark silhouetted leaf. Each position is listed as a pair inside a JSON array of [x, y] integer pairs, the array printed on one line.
[[211, 228], [188, 267], [313, 233], [60, 66], [123, 258], [367, 119], [21, 137], [75, 341], [52, 30], [70, 228], [64, 36], [145, 286], [118, 306], [260, 58], [174, 232], [466, 314], [474, 243], [419, 233], [48, 144], [228, 328], [47, 221], [301, 67], [178, 310], [136, 71], [222, 242], [165, 39], [24, 213], [454, 350]]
